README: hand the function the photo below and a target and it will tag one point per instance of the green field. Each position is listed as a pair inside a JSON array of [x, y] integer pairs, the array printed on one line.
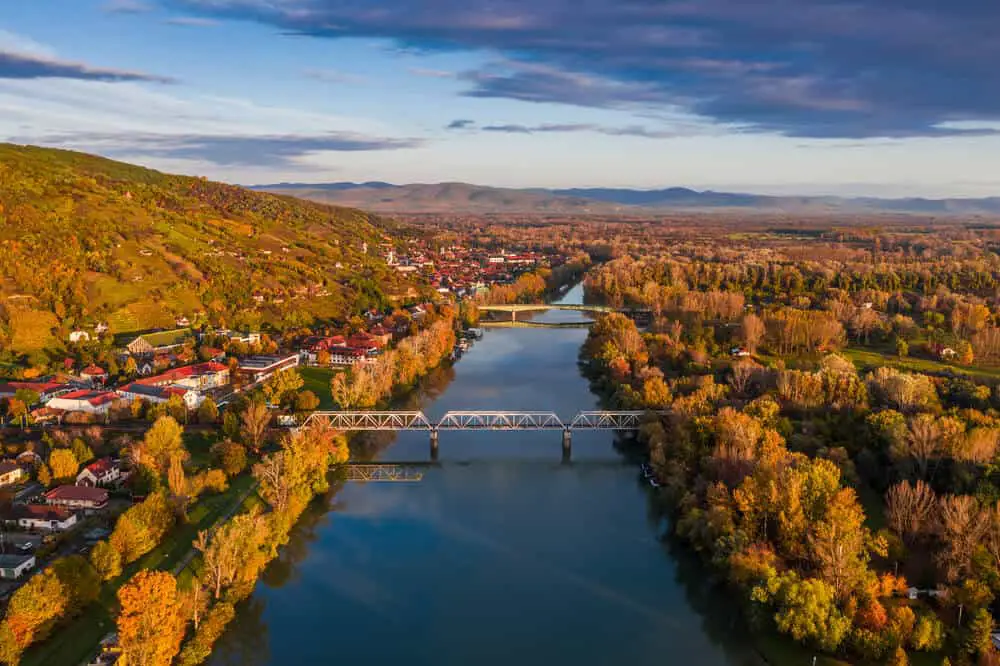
[[870, 358], [317, 380]]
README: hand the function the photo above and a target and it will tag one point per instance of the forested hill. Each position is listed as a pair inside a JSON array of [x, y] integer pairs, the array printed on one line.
[[85, 240]]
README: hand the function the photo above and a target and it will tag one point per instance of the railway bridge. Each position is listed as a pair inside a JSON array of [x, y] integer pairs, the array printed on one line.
[[480, 420]]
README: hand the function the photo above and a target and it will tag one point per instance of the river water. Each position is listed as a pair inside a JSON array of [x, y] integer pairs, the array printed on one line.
[[503, 554]]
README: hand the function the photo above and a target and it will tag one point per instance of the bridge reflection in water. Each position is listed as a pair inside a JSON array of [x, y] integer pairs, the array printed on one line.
[[481, 420]]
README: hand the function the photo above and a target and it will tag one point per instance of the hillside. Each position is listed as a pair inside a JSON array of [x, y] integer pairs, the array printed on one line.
[[85, 240], [462, 197]]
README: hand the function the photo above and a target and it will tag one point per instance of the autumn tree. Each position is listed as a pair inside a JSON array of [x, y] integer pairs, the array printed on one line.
[[961, 525], [64, 466], [752, 332], [253, 424], [230, 456], [910, 509], [306, 401], [150, 623], [839, 542], [106, 559], [280, 387], [208, 411], [81, 582], [162, 442], [35, 607]]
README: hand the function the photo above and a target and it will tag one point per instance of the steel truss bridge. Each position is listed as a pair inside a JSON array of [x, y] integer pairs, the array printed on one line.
[[479, 420]]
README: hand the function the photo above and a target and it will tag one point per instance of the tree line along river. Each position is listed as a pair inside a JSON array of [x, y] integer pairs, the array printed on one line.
[[501, 554]]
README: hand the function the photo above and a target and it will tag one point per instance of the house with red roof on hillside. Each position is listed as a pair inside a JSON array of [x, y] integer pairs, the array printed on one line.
[[78, 497], [86, 401], [158, 394], [45, 390], [95, 375], [101, 473]]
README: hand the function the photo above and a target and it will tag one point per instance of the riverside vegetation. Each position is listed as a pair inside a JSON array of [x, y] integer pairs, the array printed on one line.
[[855, 505]]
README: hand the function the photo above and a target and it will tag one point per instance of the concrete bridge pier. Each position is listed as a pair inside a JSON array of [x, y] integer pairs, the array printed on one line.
[[567, 443], [434, 444]]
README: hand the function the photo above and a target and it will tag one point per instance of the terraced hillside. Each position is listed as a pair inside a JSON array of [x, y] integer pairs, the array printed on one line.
[[85, 240]]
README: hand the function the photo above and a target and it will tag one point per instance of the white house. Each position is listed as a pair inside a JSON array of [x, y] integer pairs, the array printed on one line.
[[13, 567], [79, 336], [42, 517], [158, 394], [10, 473], [103, 472], [90, 402]]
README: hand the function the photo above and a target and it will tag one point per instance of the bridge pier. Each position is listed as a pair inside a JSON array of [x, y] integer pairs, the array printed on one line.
[[567, 443], [434, 444]]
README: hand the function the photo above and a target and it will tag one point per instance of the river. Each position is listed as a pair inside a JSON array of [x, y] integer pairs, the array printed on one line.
[[502, 554]]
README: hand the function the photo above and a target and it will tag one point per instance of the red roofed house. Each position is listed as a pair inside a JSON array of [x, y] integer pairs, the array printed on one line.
[[103, 472], [45, 390], [10, 472], [158, 394], [198, 377], [78, 497], [349, 356], [90, 402], [41, 517], [365, 341], [380, 333], [94, 374]]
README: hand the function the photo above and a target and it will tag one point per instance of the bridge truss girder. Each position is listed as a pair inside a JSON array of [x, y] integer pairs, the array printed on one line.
[[500, 421]]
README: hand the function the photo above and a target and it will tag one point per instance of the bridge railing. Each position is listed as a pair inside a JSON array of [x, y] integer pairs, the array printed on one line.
[[500, 421]]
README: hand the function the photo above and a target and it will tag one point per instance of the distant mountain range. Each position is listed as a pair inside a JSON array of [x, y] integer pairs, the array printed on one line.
[[463, 197]]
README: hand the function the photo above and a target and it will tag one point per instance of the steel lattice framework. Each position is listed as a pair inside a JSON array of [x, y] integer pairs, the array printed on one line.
[[480, 420], [373, 420], [500, 421], [607, 421]]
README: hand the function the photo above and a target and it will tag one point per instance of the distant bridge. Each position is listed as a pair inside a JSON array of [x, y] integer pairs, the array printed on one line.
[[479, 420], [514, 308]]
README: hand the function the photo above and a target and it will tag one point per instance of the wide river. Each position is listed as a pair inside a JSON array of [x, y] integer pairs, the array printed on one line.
[[503, 554]]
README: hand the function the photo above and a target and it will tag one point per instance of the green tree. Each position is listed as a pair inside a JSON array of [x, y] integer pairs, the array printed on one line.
[[81, 451], [902, 348], [80, 580], [280, 388], [977, 636], [208, 411], [806, 609], [230, 456]]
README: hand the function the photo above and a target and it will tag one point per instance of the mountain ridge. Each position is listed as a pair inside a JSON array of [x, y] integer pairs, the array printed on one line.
[[381, 196]]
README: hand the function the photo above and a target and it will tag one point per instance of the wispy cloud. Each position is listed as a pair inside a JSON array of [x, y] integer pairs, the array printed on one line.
[[29, 66], [127, 6], [808, 68], [192, 21], [559, 128], [334, 76], [428, 73], [222, 149]]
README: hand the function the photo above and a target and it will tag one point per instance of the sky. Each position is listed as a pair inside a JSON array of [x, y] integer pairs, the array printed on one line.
[[847, 97]]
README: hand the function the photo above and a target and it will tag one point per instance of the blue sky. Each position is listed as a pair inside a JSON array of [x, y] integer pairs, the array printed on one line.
[[872, 97]]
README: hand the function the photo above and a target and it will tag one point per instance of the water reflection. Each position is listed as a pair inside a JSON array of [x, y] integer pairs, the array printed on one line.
[[501, 554]]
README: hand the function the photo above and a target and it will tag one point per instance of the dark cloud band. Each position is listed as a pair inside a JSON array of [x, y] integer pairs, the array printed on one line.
[[812, 68], [22, 66]]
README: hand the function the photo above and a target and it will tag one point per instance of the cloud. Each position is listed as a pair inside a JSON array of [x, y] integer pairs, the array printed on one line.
[[30, 66], [222, 150], [559, 128], [808, 68], [192, 21], [126, 7], [431, 73], [334, 76]]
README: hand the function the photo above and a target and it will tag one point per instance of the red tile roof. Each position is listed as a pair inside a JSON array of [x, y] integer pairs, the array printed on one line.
[[177, 374], [93, 371], [95, 398], [100, 467], [77, 494]]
